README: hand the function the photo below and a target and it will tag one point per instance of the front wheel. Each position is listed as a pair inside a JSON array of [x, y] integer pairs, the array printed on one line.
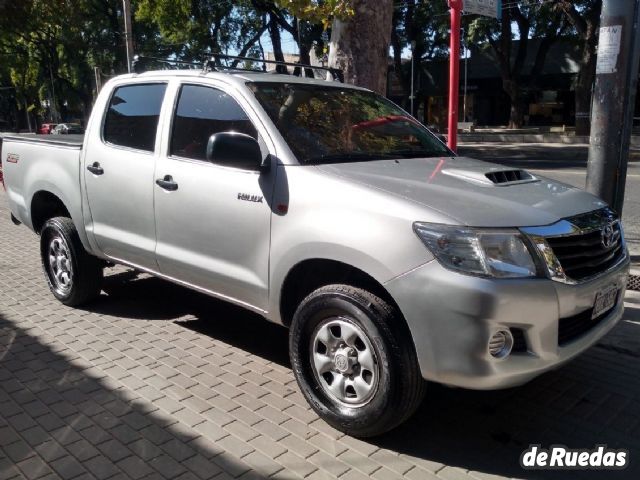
[[354, 360], [74, 276]]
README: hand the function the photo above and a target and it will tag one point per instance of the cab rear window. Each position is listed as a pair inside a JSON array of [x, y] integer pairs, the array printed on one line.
[[132, 116]]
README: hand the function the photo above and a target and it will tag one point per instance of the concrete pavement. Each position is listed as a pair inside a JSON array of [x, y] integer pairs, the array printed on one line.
[[155, 381]]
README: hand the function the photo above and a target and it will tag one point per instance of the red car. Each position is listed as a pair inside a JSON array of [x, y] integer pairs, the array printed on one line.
[[46, 128]]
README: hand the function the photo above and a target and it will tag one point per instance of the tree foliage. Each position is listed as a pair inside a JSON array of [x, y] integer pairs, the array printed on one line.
[[190, 29], [316, 11], [50, 48]]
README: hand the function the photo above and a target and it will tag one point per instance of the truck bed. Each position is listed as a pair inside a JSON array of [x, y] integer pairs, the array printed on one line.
[[69, 141], [48, 163]]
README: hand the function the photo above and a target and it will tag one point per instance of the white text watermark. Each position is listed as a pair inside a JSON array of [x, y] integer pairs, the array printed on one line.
[[560, 457]]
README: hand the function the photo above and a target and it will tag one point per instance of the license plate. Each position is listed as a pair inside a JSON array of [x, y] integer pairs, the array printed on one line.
[[605, 300]]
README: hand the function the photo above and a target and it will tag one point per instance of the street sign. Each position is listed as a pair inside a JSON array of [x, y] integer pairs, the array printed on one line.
[[488, 8]]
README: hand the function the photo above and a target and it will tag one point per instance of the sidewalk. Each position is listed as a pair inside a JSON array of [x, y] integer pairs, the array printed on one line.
[[530, 135]]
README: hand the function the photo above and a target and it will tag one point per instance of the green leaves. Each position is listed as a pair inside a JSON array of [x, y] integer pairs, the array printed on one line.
[[318, 11]]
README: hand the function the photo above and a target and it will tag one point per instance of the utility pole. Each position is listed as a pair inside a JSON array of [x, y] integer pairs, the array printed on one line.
[[128, 36], [614, 100], [454, 73]]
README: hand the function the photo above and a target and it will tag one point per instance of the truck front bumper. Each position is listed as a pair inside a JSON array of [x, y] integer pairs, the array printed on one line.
[[452, 317]]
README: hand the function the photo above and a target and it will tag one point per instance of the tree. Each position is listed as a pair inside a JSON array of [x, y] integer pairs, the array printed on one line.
[[196, 28], [33, 35], [538, 22], [306, 33], [360, 36], [424, 25], [53, 46], [584, 17], [359, 45]]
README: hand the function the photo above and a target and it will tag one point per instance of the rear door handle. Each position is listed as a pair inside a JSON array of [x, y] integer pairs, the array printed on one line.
[[167, 183], [96, 169]]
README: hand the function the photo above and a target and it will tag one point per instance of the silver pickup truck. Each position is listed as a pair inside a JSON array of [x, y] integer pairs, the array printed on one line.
[[326, 208]]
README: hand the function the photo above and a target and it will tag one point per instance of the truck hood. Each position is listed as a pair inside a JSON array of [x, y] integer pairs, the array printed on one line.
[[471, 192]]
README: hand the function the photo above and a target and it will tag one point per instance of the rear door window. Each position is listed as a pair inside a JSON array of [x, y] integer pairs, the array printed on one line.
[[133, 115]]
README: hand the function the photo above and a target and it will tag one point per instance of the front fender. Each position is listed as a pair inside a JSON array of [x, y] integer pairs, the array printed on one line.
[[281, 267]]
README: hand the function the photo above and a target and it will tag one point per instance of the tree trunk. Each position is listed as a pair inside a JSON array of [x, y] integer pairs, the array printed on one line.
[[274, 34], [360, 45], [516, 111], [305, 33], [398, 71]]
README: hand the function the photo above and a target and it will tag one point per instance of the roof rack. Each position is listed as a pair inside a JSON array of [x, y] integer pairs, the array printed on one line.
[[213, 63], [141, 63]]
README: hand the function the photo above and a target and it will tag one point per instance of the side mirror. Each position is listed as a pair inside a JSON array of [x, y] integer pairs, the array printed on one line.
[[235, 150]]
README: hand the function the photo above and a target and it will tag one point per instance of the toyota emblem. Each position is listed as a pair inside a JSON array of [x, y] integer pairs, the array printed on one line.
[[607, 236]]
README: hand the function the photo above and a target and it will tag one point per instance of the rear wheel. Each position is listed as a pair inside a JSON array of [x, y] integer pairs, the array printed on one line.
[[74, 276], [354, 360]]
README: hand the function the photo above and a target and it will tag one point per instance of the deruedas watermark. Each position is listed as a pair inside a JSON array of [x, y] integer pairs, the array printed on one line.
[[559, 457]]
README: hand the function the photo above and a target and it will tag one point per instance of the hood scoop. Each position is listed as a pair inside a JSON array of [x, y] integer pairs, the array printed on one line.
[[499, 177]]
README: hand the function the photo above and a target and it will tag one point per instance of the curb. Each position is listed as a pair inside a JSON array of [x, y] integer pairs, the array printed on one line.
[[521, 138], [480, 137]]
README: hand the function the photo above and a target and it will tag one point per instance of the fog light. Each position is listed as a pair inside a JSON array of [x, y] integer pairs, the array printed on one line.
[[500, 344]]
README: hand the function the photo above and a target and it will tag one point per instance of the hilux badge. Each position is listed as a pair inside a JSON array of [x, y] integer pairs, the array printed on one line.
[[250, 198]]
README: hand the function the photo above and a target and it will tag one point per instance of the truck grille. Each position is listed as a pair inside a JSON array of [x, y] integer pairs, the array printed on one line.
[[589, 253]]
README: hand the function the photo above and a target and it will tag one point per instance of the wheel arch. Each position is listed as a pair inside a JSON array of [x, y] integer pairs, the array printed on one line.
[[45, 205], [312, 273], [48, 201]]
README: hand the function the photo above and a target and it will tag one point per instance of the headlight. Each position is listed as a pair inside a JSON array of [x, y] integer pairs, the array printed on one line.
[[494, 253]]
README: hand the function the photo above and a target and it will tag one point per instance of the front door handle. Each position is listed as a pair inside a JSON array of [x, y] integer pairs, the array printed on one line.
[[96, 169], [167, 183]]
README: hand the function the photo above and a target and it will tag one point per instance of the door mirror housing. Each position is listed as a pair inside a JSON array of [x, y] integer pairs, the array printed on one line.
[[235, 149]]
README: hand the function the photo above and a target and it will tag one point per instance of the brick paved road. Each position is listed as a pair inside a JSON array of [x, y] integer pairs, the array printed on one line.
[[154, 381]]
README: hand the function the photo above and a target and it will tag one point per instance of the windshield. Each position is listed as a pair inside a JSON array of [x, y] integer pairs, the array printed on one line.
[[332, 124]]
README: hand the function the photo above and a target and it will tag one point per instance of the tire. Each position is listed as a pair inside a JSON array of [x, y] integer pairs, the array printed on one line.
[[389, 388], [74, 277]]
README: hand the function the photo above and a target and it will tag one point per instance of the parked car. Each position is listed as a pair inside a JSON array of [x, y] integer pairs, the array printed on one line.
[[326, 208], [68, 128], [46, 128]]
